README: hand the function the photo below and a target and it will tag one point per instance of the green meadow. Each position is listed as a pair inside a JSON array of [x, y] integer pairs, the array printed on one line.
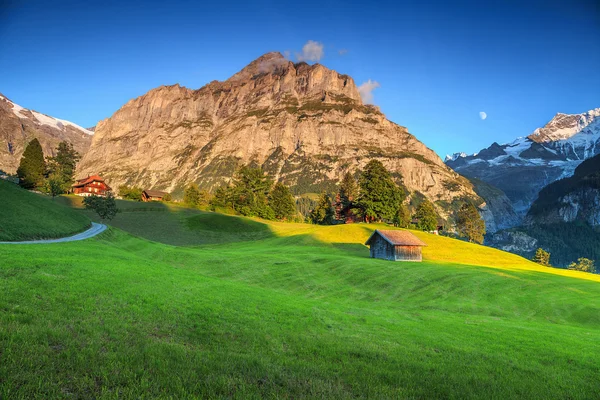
[[176, 303]]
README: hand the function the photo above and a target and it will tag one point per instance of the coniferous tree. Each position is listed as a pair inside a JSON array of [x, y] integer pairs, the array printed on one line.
[[541, 257], [402, 217], [348, 190], [32, 166], [426, 216], [469, 223], [282, 202], [379, 196], [64, 162], [323, 213]]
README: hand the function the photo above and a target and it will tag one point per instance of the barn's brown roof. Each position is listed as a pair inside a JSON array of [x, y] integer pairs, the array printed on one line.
[[154, 193], [397, 238]]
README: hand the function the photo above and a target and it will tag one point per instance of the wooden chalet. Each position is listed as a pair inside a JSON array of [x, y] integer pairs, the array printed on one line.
[[92, 185], [153, 195], [395, 246]]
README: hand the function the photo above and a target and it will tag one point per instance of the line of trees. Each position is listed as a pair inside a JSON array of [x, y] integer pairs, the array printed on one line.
[[53, 175], [583, 264]]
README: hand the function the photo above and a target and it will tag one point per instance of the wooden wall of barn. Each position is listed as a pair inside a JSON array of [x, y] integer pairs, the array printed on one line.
[[380, 248], [408, 253]]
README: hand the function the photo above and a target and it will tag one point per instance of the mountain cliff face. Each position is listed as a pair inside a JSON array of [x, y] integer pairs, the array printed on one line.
[[522, 168], [576, 198], [18, 126], [304, 124]]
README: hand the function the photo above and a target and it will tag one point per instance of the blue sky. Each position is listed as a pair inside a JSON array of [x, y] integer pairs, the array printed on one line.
[[438, 64]]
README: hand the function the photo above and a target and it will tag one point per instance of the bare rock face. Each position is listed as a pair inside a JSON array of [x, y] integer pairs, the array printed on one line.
[[304, 124], [18, 126]]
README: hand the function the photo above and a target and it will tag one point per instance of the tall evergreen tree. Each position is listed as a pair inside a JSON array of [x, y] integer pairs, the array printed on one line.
[[426, 216], [348, 190], [379, 196], [32, 166], [469, 223], [282, 202], [64, 162], [402, 217], [323, 213]]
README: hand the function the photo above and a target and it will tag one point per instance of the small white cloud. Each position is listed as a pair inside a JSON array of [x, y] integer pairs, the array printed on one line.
[[482, 115], [341, 52], [366, 91], [311, 51]]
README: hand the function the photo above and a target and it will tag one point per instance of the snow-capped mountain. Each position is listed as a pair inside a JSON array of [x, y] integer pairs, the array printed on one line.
[[522, 168], [19, 125]]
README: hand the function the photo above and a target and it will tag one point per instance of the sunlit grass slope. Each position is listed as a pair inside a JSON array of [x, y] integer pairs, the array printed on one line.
[[278, 310], [25, 215]]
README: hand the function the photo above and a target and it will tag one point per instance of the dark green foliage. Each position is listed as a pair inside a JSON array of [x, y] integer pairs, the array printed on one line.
[[105, 207], [54, 184], [541, 257], [426, 216], [64, 162], [282, 202], [583, 264], [247, 195], [130, 193], [168, 197], [469, 223], [379, 196], [566, 241], [323, 213], [348, 190], [402, 217], [191, 196], [305, 205], [32, 166]]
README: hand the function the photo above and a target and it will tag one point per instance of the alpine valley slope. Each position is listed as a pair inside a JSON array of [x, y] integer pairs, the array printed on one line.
[[522, 168], [18, 126], [304, 124]]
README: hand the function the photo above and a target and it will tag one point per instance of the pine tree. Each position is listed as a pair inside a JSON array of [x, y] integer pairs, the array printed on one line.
[[402, 217], [32, 166], [426, 216], [64, 162], [541, 257], [323, 213], [282, 202], [348, 190], [469, 223], [379, 197]]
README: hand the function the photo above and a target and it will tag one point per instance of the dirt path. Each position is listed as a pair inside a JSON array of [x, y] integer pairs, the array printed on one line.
[[93, 231]]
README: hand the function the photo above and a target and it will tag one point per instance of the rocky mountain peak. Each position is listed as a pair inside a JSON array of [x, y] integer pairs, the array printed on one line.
[[564, 126]]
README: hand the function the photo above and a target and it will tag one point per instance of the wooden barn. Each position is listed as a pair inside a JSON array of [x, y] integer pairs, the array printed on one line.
[[92, 185], [153, 195], [395, 246]]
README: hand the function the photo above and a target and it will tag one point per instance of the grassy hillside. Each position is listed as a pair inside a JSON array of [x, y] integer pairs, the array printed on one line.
[[25, 215], [288, 310]]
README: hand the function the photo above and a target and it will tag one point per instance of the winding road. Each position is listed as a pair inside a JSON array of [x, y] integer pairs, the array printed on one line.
[[96, 229]]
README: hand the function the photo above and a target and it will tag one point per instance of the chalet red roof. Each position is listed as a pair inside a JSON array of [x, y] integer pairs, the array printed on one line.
[[397, 238], [89, 179]]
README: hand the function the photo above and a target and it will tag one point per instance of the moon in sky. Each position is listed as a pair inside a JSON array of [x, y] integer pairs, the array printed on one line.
[[482, 115]]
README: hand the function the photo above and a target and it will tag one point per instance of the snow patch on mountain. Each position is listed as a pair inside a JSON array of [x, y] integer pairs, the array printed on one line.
[[44, 119]]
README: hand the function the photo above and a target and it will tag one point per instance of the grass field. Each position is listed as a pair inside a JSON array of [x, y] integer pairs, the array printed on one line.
[[220, 306], [25, 215]]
